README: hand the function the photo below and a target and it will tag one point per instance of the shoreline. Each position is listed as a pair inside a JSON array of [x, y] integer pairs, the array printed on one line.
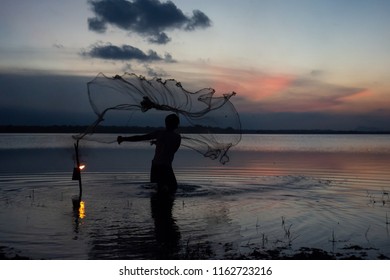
[[139, 129]]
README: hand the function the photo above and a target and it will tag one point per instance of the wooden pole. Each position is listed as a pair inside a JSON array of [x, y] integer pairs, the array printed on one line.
[[76, 147]]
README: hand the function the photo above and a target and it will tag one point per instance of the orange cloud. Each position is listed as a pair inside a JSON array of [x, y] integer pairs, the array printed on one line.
[[254, 85], [365, 100], [259, 91], [264, 86]]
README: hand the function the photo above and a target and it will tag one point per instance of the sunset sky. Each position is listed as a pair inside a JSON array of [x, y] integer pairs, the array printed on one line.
[[295, 64]]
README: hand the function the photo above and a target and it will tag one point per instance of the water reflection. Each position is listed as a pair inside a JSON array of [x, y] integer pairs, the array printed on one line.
[[166, 230], [320, 164], [320, 191], [78, 214], [82, 210], [134, 233]]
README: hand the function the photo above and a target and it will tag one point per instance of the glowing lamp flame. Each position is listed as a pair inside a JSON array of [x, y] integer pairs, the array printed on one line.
[[77, 170]]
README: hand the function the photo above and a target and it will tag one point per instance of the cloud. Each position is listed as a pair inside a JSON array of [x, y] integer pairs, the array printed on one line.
[[43, 99], [124, 52], [160, 39], [199, 19], [58, 46], [151, 72], [305, 94], [270, 92], [150, 18], [37, 98], [97, 25], [316, 73], [168, 58], [315, 120], [262, 91], [299, 95], [127, 67]]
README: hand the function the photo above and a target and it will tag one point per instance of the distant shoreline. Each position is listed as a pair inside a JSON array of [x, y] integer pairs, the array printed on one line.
[[137, 129]]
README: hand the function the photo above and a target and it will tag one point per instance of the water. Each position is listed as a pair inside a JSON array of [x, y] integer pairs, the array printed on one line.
[[278, 192]]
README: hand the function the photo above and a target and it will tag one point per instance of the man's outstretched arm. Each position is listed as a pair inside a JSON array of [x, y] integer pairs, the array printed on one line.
[[136, 138]]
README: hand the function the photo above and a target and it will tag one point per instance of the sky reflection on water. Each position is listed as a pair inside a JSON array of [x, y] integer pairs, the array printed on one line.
[[262, 199]]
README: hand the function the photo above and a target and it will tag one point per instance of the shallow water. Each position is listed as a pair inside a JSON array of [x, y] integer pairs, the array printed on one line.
[[278, 191]]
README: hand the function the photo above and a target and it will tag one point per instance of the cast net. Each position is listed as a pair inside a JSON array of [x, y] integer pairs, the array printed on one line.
[[209, 124]]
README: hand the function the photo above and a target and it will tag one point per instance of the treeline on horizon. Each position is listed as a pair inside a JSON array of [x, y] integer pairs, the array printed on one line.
[[196, 129]]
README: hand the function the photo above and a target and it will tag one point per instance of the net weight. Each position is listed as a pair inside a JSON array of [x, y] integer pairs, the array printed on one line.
[[242, 270]]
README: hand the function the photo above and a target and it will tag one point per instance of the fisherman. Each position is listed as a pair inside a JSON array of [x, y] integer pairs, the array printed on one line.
[[167, 143]]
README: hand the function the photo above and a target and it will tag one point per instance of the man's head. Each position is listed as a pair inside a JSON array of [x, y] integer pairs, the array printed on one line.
[[172, 122]]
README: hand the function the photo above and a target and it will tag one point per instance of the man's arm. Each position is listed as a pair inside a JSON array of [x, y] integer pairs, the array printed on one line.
[[136, 138]]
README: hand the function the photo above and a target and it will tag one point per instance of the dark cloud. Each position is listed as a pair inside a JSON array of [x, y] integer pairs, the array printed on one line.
[[198, 20], [160, 39], [168, 58], [150, 18], [97, 25], [124, 52]]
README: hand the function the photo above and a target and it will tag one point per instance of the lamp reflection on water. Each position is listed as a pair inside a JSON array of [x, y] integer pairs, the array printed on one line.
[[82, 210], [78, 215]]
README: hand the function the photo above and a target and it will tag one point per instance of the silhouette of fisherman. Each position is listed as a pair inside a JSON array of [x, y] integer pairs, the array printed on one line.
[[167, 143]]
